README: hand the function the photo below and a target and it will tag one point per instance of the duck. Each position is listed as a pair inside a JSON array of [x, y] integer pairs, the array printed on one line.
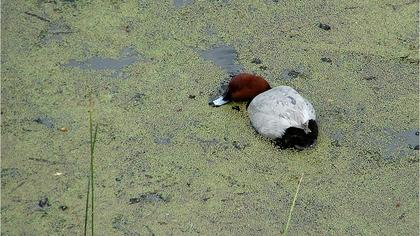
[[280, 114]]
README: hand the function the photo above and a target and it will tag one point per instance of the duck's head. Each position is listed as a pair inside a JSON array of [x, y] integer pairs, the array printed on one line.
[[242, 87]]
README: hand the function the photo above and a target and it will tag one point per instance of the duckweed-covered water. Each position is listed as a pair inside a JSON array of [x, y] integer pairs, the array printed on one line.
[[167, 163]]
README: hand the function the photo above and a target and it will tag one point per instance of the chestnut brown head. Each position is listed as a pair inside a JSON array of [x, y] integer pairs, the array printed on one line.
[[243, 87]]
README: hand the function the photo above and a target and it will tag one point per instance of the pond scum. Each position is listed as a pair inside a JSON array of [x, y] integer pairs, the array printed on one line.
[[90, 186]]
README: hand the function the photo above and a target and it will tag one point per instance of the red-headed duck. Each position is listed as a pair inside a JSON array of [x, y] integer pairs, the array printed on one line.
[[279, 113]]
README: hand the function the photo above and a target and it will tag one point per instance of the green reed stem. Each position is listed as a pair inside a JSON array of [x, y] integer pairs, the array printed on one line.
[[90, 187], [91, 174], [87, 206], [293, 206]]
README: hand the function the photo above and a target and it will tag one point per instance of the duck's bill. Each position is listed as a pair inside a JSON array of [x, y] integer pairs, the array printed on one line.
[[218, 102]]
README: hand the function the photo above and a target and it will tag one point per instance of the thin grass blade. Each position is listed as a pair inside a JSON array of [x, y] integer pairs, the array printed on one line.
[[292, 206]]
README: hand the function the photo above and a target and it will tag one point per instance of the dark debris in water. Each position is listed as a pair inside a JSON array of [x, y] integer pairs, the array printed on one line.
[[236, 108], [44, 202], [324, 26], [326, 59], [137, 98], [148, 197], [263, 67], [293, 73], [39, 17], [370, 77]]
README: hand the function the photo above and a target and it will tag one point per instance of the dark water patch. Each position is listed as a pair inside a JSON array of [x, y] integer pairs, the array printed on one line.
[[207, 144], [55, 32], [120, 223], [225, 57], [46, 121], [128, 56], [149, 197], [290, 74], [182, 3], [239, 146], [12, 173], [402, 145], [137, 98], [411, 138], [213, 143], [132, 100], [337, 139], [256, 61], [163, 140]]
